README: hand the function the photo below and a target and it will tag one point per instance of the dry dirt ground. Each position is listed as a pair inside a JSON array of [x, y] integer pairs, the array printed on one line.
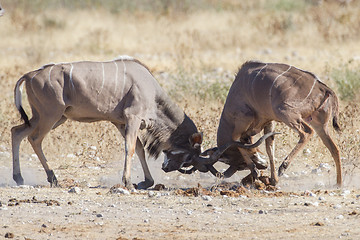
[[305, 206]]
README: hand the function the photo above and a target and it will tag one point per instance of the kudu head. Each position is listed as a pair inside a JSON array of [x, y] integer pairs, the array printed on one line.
[[177, 158], [205, 161]]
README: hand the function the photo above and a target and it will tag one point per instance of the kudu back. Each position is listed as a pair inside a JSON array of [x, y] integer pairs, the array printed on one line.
[[123, 92], [263, 93]]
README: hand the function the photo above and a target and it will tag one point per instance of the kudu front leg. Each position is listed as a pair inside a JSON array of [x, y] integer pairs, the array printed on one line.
[[305, 132], [131, 130], [149, 181], [270, 150]]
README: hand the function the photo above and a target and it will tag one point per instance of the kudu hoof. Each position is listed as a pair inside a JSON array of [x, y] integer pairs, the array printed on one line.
[[273, 181], [18, 179], [52, 178], [145, 184]]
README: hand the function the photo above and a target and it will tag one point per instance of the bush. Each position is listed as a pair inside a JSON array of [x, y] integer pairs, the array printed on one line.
[[210, 86], [348, 81]]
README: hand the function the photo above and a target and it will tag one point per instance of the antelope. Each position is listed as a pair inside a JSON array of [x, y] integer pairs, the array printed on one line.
[[123, 92], [261, 94]]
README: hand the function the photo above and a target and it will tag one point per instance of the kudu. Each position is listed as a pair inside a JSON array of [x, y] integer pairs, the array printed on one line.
[[261, 94], [123, 92]]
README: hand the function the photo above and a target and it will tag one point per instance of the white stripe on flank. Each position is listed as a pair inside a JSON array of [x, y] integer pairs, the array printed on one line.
[[50, 75], [103, 78], [34, 75], [260, 70], [276, 80], [124, 79], [310, 90], [116, 76], [71, 78], [252, 83]]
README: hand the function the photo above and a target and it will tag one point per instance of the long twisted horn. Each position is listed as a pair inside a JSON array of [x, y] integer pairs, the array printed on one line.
[[217, 152]]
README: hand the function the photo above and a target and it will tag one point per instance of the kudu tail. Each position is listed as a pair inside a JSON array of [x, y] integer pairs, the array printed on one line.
[[18, 96], [335, 112]]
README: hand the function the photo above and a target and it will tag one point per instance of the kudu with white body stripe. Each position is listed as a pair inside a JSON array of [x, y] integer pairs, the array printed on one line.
[[261, 94], [123, 92], [266, 92]]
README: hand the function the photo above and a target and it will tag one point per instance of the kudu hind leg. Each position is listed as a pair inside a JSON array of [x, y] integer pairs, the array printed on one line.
[[323, 133], [270, 150], [18, 133], [36, 138], [305, 132]]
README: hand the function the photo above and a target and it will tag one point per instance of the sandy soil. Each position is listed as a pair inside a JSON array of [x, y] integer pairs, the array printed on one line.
[[305, 205]]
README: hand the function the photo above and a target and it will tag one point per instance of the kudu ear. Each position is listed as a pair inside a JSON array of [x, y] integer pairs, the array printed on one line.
[[196, 140]]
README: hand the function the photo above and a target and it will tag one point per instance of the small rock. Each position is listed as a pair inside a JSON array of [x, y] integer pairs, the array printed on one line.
[[324, 166], [151, 194], [337, 206], [99, 215], [75, 190], [44, 226], [306, 152], [9, 235], [319, 224], [206, 198], [189, 212], [93, 148], [262, 212], [339, 217], [345, 193], [309, 193], [146, 220], [159, 187], [121, 191], [321, 198]]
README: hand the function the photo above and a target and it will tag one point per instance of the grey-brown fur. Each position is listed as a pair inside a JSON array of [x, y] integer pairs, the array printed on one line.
[[266, 92], [122, 91]]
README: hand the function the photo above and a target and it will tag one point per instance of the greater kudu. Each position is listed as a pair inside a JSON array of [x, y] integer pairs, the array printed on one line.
[[267, 92], [123, 92], [263, 93]]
